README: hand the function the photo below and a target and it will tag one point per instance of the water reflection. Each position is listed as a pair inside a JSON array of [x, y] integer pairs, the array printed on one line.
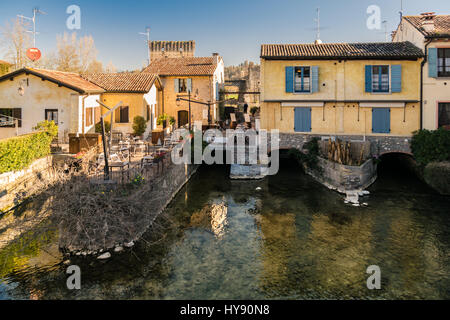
[[293, 239]]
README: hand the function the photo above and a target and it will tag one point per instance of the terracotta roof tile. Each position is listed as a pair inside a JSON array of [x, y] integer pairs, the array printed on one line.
[[66, 79], [341, 50], [187, 66], [441, 25], [123, 82]]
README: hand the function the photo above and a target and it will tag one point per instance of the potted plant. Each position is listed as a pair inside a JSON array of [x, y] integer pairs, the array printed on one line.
[[172, 123], [162, 120], [139, 126]]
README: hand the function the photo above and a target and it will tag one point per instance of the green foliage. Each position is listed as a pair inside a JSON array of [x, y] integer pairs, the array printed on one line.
[[161, 119], [309, 158], [19, 152], [139, 126], [172, 121], [98, 127], [431, 146], [138, 180]]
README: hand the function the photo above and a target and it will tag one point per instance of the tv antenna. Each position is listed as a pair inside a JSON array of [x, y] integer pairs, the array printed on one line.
[[36, 11], [147, 33], [318, 41]]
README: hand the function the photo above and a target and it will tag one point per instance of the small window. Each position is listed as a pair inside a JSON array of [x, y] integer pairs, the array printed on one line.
[[183, 85], [444, 115], [122, 115], [6, 118], [380, 78], [302, 81], [51, 115], [444, 62]]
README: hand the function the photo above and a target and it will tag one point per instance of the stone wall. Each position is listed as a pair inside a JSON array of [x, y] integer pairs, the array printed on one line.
[[379, 144], [18, 185], [345, 178]]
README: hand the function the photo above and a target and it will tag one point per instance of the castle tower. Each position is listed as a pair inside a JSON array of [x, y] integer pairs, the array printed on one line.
[[172, 49]]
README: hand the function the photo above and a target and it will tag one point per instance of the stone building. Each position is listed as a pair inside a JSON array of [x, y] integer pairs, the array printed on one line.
[[171, 49]]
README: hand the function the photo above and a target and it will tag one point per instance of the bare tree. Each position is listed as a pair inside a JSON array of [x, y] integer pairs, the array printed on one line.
[[16, 40], [110, 68], [67, 55]]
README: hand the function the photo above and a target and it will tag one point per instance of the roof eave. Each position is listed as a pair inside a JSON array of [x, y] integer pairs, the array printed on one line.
[[342, 58]]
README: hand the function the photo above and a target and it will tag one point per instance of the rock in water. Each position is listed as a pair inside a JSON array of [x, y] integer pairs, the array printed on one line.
[[118, 249], [129, 245], [104, 256]]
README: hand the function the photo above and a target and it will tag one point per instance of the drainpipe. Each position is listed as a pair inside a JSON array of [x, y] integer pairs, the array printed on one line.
[[421, 82], [83, 113]]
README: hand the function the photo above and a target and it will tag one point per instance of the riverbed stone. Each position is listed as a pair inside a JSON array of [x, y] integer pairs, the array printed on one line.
[[104, 256]]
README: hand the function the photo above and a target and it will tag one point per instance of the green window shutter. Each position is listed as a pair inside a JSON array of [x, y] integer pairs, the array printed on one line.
[[314, 79], [396, 78], [368, 78], [177, 85], [289, 79], [189, 85], [432, 62]]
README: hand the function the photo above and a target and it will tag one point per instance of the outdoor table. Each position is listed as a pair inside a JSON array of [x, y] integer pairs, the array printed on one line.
[[147, 160]]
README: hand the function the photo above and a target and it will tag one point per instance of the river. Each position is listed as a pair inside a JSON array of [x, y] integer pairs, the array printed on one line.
[[290, 239]]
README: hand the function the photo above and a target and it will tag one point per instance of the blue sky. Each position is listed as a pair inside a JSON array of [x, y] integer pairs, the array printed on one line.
[[234, 28]]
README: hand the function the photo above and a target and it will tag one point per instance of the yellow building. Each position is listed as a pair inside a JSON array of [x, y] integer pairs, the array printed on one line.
[[5, 67], [141, 95], [201, 76], [364, 89]]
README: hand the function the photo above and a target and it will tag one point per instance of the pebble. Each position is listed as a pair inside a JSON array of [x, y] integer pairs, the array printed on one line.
[[67, 262], [104, 256], [118, 249], [355, 204], [258, 189], [129, 245]]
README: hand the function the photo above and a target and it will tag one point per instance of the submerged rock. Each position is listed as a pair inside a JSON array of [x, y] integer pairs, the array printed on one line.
[[129, 245], [118, 249], [104, 256]]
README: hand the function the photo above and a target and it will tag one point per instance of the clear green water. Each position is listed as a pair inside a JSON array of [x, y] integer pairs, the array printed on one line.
[[293, 239]]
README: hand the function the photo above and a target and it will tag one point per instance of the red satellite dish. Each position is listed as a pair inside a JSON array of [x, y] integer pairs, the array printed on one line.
[[34, 54]]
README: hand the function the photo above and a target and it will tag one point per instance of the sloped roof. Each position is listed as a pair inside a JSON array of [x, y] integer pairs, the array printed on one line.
[[186, 66], [69, 80], [123, 82], [441, 25], [376, 50]]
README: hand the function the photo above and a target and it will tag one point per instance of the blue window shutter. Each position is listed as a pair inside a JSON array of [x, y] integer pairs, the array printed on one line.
[[432, 62], [177, 85], [302, 120], [368, 78], [381, 120], [396, 78], [289, 79], [315, 79], [189, 85]]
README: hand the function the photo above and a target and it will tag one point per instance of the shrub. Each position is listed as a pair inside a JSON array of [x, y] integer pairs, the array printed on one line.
[[431, 146], [139, 126], [162, 120], [172, 121], [19, 152], [310, 158], [98, 127]]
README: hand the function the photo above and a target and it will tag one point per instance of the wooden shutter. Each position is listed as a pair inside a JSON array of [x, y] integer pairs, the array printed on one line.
[[303, 120], [118, 114], [17, 114], [177, 85], [396, 78], [314, 79], [368, 78], [381, 120], [124, 115], [432, 62], [289, 79]]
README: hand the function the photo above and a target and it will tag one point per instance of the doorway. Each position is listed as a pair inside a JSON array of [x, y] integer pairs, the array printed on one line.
[[183, 118]]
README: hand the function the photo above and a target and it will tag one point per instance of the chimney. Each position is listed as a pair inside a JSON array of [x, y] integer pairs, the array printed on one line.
[[428, 21], [215, 54]]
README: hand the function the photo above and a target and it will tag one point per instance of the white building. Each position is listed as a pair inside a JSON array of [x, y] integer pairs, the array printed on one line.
[[30, 96], [431, 33]]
